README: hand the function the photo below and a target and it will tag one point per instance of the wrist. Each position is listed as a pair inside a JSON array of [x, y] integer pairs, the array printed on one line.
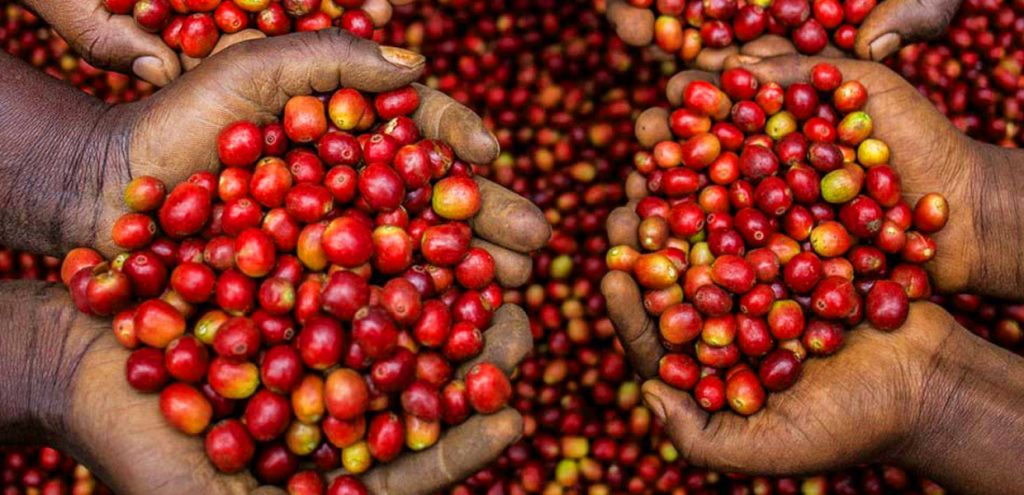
[[996, 219], [969, 432], [58, 143], [106, 158], [38, 359]]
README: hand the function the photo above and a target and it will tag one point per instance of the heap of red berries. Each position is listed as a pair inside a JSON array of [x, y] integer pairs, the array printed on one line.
[[779, 221], [685, 27], [25, 36], [193, 27], [44, 471], [973, 74], [322, 286]]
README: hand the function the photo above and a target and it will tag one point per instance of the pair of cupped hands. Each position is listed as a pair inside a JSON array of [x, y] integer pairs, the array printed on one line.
[[75, 381], [885, 396]]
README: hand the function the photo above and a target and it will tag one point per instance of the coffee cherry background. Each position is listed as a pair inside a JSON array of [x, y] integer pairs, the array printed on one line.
[[684, 27], [973, 73], [193, 27], [570, 156], [290, 299], [775, 212], [25, 36]]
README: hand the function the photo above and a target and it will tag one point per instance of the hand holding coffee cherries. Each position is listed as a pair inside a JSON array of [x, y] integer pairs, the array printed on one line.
[[75, 392], [899, 396], [704, 32], [107, 35], [171, 136], [927, 152]]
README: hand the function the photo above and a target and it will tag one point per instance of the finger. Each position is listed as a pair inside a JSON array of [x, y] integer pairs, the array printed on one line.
[[509, 220], [379, 10], [636, 187], [635, 328], [633, 25], [712, 59], [269, 490], [895, 22], [166, 462], [512, 269], [111, 41], [276, 68], [675, 87], [461, 452], [784, 70], [718, 441], [652, 127], [508, 341], [225, 42], [789, 69], [440, 117], [622, 225], [769, 45]]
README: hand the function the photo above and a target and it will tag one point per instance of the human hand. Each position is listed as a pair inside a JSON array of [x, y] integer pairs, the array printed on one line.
[[66, 371], [894, 23], [116, 42], [929, 396], [868, 402], [173, 134], [121, 435], [889, 26], [928, 152]]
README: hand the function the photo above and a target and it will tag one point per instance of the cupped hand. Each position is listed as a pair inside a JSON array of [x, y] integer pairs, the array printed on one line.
[[929, 153], [116, 42], [871, 401], [894, 23], [888, 27], [173, 134], [121, 435]]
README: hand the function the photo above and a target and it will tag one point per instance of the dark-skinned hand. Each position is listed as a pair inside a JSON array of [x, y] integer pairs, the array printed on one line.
[[68, 375], [903, 397], [889, 26], [116, 42], [90, 410]]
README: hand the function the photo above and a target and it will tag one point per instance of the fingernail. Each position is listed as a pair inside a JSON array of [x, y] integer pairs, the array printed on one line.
[[654, 404], [402, 58], [885, 45], [151, 69], [748, 59]]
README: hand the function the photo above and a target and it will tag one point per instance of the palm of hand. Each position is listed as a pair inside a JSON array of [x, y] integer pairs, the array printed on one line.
[[929, 154], [121, 435], [862, 402]]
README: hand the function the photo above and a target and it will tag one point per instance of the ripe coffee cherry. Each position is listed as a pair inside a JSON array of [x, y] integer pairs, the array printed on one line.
[[229, 446], [240, 144], [488, 388], [157, 323], [779, 370], [185, 408], [345, 394], [887, 305], [304, 119], [185, 211]]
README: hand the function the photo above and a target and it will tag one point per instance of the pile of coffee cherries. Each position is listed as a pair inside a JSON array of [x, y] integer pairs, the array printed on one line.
[[24, 35], [973, 74], [321, 287], [44, 471], [779, 221], [193, 27], [684, 27]]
